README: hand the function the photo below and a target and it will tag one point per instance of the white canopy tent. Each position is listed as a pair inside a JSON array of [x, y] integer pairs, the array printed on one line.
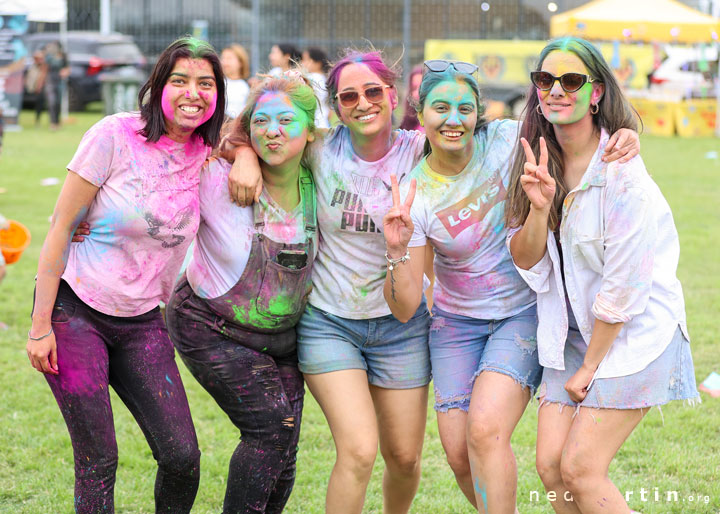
[[51, 11]]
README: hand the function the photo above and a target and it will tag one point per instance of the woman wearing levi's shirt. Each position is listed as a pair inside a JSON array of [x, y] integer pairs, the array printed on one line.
[[233, 318], [368, 371], [482, 336], [96, 320], [598, 244]]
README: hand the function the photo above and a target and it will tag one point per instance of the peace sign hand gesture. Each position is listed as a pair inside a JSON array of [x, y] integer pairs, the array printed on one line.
[[397, 224], [537, 183]]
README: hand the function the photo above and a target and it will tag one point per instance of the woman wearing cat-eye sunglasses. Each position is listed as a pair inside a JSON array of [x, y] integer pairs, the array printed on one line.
[[370, 393]]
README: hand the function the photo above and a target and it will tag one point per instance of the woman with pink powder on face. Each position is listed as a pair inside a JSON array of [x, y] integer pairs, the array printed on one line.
[[96, 320]]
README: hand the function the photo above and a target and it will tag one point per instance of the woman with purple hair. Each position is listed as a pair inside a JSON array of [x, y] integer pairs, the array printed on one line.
[[368, 371]]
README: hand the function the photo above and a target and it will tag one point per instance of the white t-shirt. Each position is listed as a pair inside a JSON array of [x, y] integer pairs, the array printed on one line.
[[226, 232], [236, 93], [462, 216], [352, 197], [142, 219], [322, 112]]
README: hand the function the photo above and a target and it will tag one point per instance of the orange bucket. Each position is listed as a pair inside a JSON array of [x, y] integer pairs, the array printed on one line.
[[13, 241]]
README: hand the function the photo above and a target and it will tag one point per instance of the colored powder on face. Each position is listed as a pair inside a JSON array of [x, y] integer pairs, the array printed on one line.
[[450, 103], [275, 113], [166, 105], [211, 100], [559, 62]]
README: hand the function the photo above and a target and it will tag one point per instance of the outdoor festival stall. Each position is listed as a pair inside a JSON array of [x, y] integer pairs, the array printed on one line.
[[651, 21]]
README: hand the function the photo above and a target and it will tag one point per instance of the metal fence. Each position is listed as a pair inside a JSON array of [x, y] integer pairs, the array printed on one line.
[[399, 27]]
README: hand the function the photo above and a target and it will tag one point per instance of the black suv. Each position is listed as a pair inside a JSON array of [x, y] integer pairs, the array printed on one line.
[[89, 55]]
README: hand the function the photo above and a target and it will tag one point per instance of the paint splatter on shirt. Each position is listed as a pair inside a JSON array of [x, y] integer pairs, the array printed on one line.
[[142, 219], [462, 217], [353, 195], [226, 231], [620, 256]]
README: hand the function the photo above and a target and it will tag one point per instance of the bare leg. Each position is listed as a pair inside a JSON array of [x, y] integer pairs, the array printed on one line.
[[345, 399], [554, 422], [595, 437], [452, 426], [496, 406], [401, 414]]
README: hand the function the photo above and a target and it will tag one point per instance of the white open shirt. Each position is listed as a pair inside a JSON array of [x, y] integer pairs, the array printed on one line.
[[620, 250]]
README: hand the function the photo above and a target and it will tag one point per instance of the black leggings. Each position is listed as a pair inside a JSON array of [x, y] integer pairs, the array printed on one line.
[[134, 356], [261, 396]]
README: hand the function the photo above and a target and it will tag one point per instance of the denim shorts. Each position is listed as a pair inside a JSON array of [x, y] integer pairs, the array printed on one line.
[[461, 348], [395, 355], [669, 377]]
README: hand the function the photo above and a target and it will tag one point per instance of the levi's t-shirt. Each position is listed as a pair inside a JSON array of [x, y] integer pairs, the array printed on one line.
[[462, 216]]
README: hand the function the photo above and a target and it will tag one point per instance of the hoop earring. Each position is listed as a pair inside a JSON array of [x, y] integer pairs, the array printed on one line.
[[596, 110], [538, 109]]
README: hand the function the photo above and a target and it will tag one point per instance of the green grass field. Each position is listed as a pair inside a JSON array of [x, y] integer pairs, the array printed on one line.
[[36, 468]]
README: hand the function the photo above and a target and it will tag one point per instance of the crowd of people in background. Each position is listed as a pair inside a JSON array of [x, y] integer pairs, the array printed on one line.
[[282, 57]]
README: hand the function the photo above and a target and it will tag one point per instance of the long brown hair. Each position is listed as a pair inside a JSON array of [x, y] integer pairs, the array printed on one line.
[[614, 113]]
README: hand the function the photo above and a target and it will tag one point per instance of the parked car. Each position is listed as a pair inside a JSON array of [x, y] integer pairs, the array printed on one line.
[[91, 54], [686, 73]]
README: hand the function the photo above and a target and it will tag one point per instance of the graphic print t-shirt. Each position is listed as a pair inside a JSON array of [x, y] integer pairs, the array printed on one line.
[[462, 217], [142, 219], [352, 197]]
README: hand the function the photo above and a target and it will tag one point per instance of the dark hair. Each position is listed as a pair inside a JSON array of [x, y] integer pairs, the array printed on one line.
[[372, 59], [292, 51], [150, 95], [614, 113], [410, 119], [432, 79], [318, 55]]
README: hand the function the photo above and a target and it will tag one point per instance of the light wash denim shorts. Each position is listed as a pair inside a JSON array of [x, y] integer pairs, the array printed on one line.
[[461, 348], [669, 377], [395, 355]]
